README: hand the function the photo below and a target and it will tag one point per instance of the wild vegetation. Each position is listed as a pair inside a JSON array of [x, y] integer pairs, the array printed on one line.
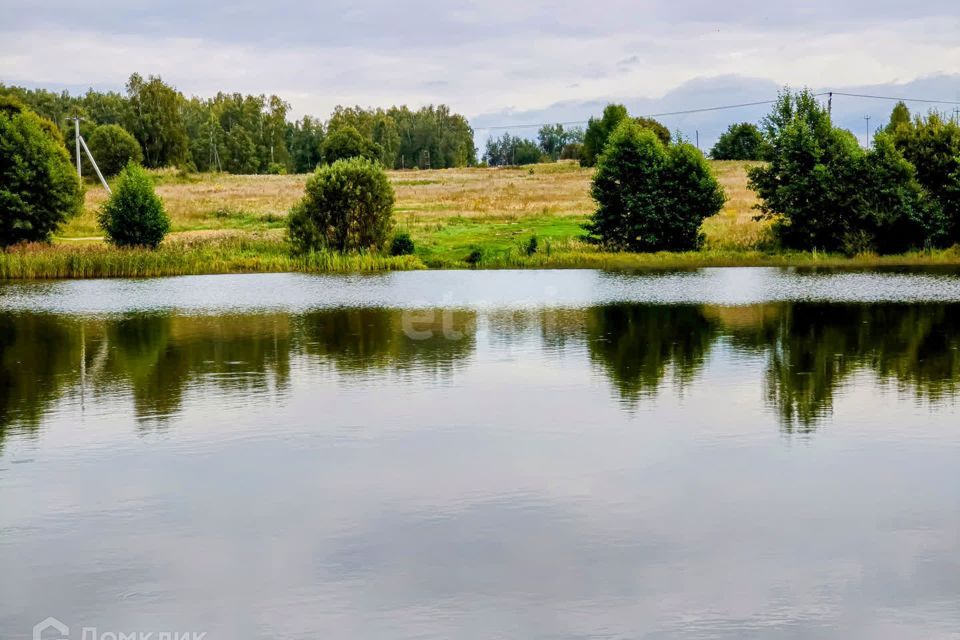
[[823, 191], [818, 200], [651, 196], [134, 216], [348, 206], [248, 134], [39, 189]]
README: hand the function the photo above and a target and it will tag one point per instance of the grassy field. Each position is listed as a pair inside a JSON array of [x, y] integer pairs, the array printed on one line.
[[224, 223]]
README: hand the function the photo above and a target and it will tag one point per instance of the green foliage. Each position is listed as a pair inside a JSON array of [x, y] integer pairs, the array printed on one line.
[[599, 131], [346, 142], [276, 169], [305, 142], [39, 188], [741, 142], [114, 148], [651, 197], [156, 120], [572, 151], [932, 146], [662, 133], [247, 133], [402, 244], [348, 206], [553, 139], [134, 215], [825, 192], [899, 117], [510, 150]]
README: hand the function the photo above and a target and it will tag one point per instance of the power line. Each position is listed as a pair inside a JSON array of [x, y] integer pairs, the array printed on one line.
[[725, 107], [862, 95]]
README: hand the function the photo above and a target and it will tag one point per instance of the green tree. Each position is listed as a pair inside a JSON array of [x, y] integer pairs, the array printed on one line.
[[156, 120], [348, 205], [134, 215], [823, 191], [598, 131], [651, 197], [39, 188], [305, 140], [741, 142], [899, 117], [114, 148], [932, 145], [510, 150], [347, 142]]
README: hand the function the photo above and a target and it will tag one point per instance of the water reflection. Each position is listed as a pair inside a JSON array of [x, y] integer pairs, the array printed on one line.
[[808, 352]]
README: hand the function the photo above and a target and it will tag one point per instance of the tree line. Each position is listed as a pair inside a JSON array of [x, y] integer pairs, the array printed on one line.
[[240, 133]]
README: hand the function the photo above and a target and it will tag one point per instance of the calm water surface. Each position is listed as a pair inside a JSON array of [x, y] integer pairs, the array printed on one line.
[[722, 453]]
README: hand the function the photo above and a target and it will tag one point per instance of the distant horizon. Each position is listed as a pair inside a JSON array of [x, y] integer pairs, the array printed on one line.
[[700, 93]]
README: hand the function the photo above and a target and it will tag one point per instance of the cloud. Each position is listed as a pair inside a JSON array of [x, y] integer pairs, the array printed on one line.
[[485, 59]]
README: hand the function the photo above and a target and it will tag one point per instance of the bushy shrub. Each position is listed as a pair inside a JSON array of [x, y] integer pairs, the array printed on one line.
[[134, 215], [276, 169], [402, 244], [346, 142], [651, 197], [113, 148], [348, 205], [39, 187], [822, 189], [741, 142]]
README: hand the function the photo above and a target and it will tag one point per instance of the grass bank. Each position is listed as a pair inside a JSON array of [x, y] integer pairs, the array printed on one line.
[[269, 253], [458, 218], [198, 255]]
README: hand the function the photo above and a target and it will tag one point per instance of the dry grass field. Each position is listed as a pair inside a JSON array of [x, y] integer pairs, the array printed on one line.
[[447, 211], [480, 217]]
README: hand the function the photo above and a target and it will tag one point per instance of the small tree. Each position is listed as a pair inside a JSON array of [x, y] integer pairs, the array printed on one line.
[[741, 142], [114, 148], [899, 117], [134, 214], [651, 197], [347, 206], [39, 187], [347, 142]]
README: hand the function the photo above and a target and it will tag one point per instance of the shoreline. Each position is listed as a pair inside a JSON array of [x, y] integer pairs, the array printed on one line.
[[252, 253]]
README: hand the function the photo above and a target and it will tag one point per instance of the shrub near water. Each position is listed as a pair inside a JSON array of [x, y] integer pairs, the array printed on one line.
[[348, 206], [651, 197], [39, 188], [134, 216]]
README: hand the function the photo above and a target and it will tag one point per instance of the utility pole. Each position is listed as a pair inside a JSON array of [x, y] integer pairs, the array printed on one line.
[[956, 115], [830, 105], [698, 138], [867, 118], [76, 131], [81, 142]]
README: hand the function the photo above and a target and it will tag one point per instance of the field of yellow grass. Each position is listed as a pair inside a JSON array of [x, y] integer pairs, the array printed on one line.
[[460, 206], [477, 217]]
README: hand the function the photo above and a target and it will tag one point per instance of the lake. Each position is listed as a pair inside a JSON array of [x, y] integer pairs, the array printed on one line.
[[717, 453]]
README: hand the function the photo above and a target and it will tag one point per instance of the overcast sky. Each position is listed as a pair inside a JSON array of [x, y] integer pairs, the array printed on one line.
[[497, 61]]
